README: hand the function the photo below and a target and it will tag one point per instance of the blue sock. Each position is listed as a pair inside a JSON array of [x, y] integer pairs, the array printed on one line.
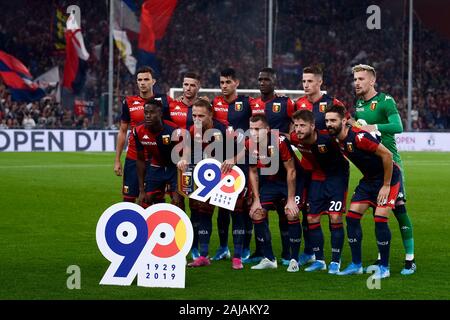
[[337, 241], [263, 234], [383, 235], [195, 220], [223, 222], [284, 234], [238, 233], [316, 237], [295, 238], [248, 225], [308, 247], [204, 233], [354, 234]]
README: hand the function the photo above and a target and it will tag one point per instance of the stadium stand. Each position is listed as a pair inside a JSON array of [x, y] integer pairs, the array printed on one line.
[[210, 35]]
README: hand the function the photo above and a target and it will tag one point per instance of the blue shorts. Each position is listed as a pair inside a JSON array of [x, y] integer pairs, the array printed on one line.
[[130, 186], [273, 193], [328, 196], [368, 189], [157, 178]]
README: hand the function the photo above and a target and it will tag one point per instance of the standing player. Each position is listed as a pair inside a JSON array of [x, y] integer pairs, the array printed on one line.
[[328, 189], [132, 114], [278, 111], [155, 137], [180, 111], [316, 102], [380, 112], [274, 190], [234, 112], [378, 188]]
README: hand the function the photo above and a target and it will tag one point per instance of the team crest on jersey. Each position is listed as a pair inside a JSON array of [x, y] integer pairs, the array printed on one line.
[[217, 136], [166, 139], [125, 189], [187, 180], [322, 106], [322, 148], [276, 107], [238, 106], [350, 147], [373, 105], [271, 151]]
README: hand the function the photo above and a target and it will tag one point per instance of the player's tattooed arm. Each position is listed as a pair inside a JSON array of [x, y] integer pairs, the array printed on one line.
[[121, 137], [254, 183]]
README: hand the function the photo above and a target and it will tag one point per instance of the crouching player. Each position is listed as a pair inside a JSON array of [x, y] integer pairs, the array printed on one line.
[[327, 191], [201, 212], [154, 139], [272, 189], [378, 188]]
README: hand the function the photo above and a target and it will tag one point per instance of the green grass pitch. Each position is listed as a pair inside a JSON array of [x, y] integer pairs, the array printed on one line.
[[50, 204]]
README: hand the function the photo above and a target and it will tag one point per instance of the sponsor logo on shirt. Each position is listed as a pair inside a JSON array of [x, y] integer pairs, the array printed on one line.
[[136, 108], [216, 109], [148, 143]]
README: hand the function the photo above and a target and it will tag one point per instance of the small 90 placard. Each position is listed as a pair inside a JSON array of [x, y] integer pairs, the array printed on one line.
[[221, 189], [151, 243]]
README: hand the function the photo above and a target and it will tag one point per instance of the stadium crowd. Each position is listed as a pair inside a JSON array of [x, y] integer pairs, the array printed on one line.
[[233, 33]]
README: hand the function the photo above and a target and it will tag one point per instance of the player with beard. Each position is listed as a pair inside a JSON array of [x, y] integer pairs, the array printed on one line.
[[328, 188], [378, 188]]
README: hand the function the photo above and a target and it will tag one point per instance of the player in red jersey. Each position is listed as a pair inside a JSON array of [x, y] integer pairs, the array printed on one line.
[[234, 111], [278, 111], [155, 137], [378, 188], [180, 110], [316, 102], [201, 213], [133, 114], [272, 177], [327, 191]]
